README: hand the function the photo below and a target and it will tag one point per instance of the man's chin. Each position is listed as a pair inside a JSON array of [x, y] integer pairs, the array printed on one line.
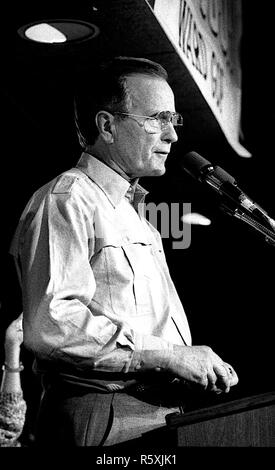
[[156, 171]]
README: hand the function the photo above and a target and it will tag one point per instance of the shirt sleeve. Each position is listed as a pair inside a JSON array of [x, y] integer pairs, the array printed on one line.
[[62, 322]]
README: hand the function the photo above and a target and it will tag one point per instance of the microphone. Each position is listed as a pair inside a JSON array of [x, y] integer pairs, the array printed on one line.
[[225, 184]]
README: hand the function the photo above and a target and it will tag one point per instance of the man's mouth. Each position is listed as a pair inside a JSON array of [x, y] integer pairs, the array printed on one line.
[[164, 154]]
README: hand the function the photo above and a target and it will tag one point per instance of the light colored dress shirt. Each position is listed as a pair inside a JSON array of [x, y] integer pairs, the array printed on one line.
[[96, 287]]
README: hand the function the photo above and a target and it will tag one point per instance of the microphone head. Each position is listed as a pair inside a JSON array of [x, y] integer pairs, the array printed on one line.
[[195, 164], [198, 167]]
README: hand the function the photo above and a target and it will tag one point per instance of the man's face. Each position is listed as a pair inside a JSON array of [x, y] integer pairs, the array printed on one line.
[[135, 151]]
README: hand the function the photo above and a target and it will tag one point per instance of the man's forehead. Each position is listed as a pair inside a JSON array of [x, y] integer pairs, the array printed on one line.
[[150, 91]]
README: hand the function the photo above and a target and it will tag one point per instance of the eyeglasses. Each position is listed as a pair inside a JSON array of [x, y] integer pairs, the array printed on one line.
[[158, 123]]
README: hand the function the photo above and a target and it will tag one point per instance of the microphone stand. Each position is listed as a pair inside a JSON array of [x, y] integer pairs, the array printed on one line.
[[269, 234]]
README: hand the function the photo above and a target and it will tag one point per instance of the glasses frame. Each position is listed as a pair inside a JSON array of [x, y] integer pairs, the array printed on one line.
[[163, 124]]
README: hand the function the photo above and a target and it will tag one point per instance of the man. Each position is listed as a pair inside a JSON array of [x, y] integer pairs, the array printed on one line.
[[101, 313]]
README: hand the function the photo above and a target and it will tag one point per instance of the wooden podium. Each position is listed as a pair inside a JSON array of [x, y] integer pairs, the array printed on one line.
[[245, 422]]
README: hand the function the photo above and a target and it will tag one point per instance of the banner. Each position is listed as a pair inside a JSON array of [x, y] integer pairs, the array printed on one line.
[[206, 34]]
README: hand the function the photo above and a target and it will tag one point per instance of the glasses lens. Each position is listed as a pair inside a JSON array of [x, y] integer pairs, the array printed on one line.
[[161, 122], [152, 126], [177, 119], [166, 117]]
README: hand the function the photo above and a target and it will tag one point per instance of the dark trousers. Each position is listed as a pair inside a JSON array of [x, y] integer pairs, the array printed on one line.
[[77, 417]]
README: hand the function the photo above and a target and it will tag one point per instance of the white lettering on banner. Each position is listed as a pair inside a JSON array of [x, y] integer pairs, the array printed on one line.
[[206, 35]]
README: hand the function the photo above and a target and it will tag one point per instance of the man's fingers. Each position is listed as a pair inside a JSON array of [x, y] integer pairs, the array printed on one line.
[[212, 379], [232, 374], [223, 377]]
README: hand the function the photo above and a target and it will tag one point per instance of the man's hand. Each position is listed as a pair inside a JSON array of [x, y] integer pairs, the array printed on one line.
[[202, 366]]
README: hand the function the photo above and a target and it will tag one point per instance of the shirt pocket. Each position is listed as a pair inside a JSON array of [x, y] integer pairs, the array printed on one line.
[[146, 277], [125, 273], [114, 276]]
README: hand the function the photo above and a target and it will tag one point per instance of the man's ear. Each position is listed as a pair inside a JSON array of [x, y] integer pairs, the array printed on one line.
[[105, 124]]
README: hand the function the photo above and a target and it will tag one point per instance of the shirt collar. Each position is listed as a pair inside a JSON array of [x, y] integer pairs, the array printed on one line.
[[112, 184]]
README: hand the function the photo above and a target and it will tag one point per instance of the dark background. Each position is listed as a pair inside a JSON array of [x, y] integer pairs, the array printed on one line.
[[226, 278]]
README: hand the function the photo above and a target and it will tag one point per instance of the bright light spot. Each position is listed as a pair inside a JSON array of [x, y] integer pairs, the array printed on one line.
[[44, 32], [195, 219]]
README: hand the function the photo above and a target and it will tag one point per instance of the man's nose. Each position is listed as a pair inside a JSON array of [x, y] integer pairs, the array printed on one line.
[[169, 134]]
